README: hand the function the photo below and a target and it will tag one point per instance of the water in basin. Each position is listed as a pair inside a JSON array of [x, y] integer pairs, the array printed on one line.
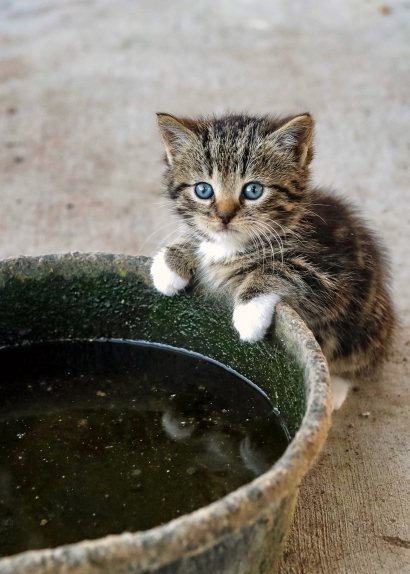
[[102, 437]]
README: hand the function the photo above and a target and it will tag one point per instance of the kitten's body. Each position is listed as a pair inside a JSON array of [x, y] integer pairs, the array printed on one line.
[[294, 243]]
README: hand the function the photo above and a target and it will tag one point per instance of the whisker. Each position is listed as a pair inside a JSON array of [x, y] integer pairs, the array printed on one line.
[[267, 228], [276, 235], [313, 212], [284, 228], [161, 243], [256, 241], [154, 232], [265, 235]]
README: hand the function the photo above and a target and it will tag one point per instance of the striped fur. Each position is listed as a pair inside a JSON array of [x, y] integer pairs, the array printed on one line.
[[296, 243]]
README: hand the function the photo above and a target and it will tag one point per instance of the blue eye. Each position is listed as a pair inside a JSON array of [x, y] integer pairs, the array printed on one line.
[[253, 191], [204, 190]]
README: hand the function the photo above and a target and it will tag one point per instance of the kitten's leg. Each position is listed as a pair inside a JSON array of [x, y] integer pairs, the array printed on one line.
[[165, 279], [255, 303], [256, 299], [252, 318], [340, 387], [172, 268]]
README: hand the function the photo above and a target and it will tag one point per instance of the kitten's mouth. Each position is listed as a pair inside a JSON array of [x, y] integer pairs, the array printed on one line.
[[226, 229]]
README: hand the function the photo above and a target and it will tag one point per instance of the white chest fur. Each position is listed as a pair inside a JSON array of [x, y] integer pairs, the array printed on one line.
[[210, 252], [214, 259]]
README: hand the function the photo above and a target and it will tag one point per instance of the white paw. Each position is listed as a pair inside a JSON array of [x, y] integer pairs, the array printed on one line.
[[252, 319], [165, 280], [340, 388]]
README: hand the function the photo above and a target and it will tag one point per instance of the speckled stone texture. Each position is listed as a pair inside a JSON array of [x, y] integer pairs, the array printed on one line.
[[244, 532]]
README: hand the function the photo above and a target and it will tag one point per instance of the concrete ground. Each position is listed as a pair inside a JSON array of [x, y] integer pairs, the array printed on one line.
[[80, 82]]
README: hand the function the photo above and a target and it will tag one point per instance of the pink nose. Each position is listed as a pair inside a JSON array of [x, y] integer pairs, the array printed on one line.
[[225, 217]]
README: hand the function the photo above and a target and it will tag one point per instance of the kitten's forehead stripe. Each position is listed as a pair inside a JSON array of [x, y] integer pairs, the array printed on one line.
[[205, 144], [229, 142]]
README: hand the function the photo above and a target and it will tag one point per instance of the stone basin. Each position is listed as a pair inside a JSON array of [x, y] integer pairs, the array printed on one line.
[[88, 296]]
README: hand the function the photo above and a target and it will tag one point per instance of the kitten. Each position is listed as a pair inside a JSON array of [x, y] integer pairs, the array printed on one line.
[[256, 230]]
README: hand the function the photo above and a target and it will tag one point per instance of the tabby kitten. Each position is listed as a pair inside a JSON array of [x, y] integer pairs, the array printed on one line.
[[256, 230]]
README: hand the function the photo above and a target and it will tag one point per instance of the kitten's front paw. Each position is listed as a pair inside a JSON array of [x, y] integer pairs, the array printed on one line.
[[252, 319], [165, 280]]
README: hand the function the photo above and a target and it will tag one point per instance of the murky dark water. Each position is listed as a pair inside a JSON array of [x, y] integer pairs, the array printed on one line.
[[98, 438]]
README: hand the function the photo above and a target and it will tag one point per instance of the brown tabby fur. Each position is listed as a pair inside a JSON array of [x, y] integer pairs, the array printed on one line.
[[303, 243]]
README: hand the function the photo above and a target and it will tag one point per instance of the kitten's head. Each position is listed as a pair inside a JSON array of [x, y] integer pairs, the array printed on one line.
[[237, 177]]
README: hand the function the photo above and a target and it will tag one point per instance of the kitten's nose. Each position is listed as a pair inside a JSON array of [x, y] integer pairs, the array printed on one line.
[[225, 216], [226, 209]]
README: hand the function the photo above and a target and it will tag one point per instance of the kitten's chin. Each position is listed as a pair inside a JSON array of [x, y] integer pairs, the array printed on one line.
[[230, 237]]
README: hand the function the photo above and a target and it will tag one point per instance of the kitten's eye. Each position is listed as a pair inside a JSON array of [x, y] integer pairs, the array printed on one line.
[[253, 191], [204, 190]]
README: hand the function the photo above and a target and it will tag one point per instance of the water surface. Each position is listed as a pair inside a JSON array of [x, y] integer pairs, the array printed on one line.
[[103, 437]]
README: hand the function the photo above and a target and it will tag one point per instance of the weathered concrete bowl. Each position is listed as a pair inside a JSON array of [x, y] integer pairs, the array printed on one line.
[[95, 295]]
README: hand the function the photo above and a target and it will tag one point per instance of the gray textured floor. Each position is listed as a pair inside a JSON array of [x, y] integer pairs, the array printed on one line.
[[80, 170]]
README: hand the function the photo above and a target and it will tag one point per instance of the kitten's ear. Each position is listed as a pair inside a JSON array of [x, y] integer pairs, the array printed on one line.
[[296, 137], [176, 133]]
